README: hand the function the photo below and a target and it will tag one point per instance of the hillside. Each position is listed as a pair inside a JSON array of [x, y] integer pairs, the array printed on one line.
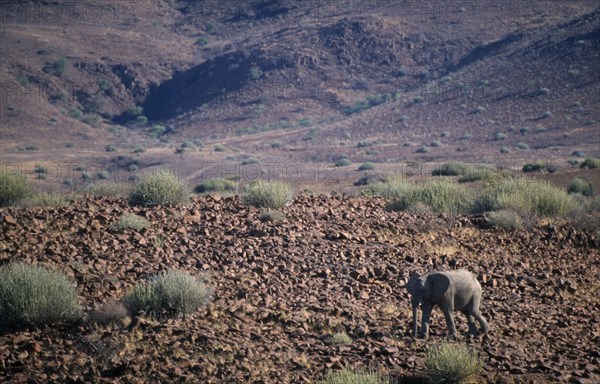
[[316, 79]]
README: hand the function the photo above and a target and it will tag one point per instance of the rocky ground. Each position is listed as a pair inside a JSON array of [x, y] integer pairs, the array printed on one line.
[[282, 289]]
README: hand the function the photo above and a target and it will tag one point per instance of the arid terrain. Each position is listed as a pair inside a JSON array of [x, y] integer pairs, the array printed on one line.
[[309, 93], [282, 289]]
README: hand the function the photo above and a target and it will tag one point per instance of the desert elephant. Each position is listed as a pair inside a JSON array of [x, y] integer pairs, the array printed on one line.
[[453, 290]]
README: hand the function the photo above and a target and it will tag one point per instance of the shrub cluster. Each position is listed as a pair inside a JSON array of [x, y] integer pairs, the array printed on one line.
[[131, 221], [33, 296], [13, 188], [452, 363], [216, 185], [160, 187], [441, 195], [581, 186], [348, 376], [169, 294], [264, 194]]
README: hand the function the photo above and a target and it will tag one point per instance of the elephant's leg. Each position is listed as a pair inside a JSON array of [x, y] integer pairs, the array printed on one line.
[[449, 322], [484, 325], [427, 307], [471, 323]]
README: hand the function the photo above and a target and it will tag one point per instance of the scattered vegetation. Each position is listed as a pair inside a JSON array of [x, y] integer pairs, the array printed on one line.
[[368, 166], [441, 195], [219, 148], [580, 186], [340, 338], [590, 163], [370, 102], [169, 294], [216, 185], [452, 168], [110, 148], [57, 68], [364, 144], [14, 187], [265, 194], [348, 376], [160, 187], [505, 219], [452, 363], [524, 196], [111, 189], [44, 199], [33, 296], [423, 149], [343, 163], [249, 160], [533, 167], [499, 136], [131, 221]]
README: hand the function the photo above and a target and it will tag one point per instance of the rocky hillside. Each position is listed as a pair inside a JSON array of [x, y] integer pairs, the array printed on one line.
[[281, 289]]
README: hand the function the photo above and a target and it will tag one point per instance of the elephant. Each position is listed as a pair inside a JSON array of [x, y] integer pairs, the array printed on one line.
[[453, 290]]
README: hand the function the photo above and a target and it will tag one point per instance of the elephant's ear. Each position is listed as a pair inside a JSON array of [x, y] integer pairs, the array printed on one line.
[[413, 285]]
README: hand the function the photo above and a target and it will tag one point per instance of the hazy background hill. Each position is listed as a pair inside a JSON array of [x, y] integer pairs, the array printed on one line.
[[307, 82]]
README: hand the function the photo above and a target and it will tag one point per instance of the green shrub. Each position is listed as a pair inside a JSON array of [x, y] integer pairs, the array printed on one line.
[[159, 187], [368, 166], [505, 219], [480, 172], [441, 195], [139, 149], [499, 136], [452, 363], [505, 150], [524, 196], [579, 153], [103, 175], [110, 148], [590, 163], [169, 294], [43, 199], [109, 189], [216, 185], [451, 168], [32, 296], [522, 146], [157, 130], [249, 160], [370, 178], [436, 144], [581, 186], [340, 338], [14, 187], [342, 163], [57, 68], [533, 167], [348, 376], [264, 194], [131, 221], [201, 41], [219, 148], [393, 187]]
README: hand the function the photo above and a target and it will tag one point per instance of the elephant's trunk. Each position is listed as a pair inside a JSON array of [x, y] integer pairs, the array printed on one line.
[[415, 308]]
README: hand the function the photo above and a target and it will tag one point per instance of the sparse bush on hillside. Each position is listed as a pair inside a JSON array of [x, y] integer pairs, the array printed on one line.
[[533, 167], [157, 130], [348, 376], [366, 166], [139, 149], [131, 221], [436, 144], [581, 186], [201, 42], [523, 131], [505, 219], [364, 144], [216, 185], [441, 195], [522, 146], [499, 136], [110, 148], [160, 187], [265, 194], [504, 150], [370, 179], [424, 149], [342, 163], [452, 363], [590, 163], [14, 187], [525, 196], [272, 216], [219, 148], [392, 187], [169, 294], [579, 153], [33, 296], [250, 160], [57, 68]]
